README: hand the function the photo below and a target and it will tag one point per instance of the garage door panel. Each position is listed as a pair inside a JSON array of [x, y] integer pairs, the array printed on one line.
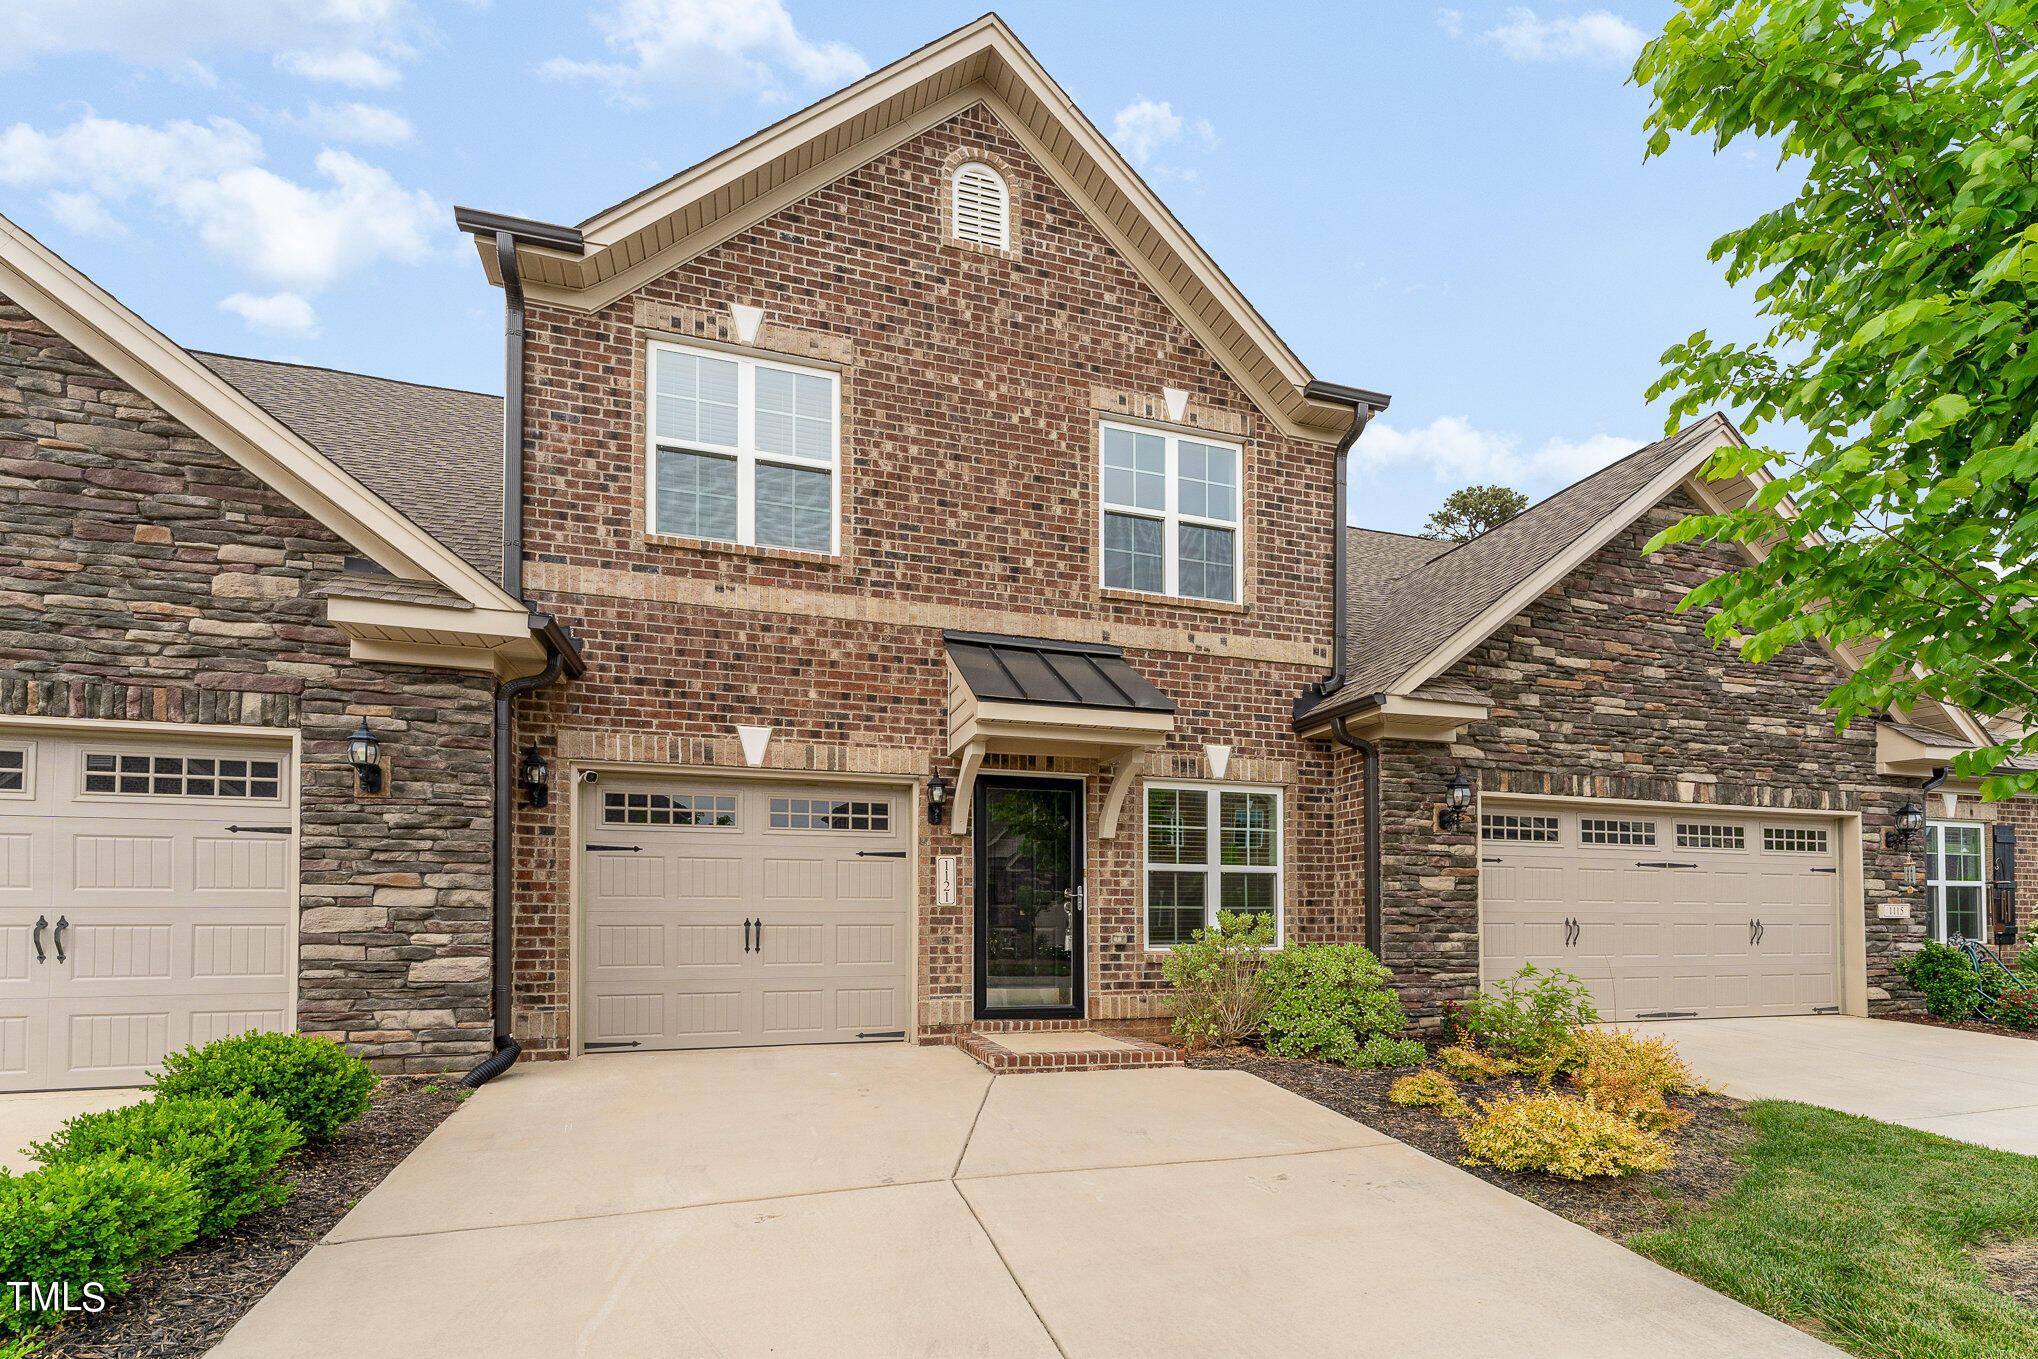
[[1664, 930], [783, 922]]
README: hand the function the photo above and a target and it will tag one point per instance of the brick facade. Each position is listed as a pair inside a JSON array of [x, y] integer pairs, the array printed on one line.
[[1602, 689], [145, 577], [972, 384]]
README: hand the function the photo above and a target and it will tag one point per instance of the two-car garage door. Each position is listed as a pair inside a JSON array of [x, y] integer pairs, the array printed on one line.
[[731, 914], [1702, 913], [145, 901]]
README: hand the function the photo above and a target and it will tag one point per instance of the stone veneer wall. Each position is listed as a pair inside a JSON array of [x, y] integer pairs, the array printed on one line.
[[1602, 689], [144, 576], [972, 386]]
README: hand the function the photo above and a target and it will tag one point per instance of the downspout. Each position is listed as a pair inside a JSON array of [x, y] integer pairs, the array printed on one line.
[[1369, 753]]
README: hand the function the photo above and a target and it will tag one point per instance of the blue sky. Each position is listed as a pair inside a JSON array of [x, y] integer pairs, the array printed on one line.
[[1447, 204]]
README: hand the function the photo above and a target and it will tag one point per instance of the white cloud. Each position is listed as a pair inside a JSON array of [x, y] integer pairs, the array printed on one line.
[[371, 124], [710, 47], [1457, 453], [1145, 130], [1597, 35], [279, 313], [82, 214], [169, 34], [1451, 21], [296, 236], [349, 66]]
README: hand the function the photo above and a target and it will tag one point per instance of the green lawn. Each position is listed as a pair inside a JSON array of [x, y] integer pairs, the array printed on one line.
[[1858, 1232]]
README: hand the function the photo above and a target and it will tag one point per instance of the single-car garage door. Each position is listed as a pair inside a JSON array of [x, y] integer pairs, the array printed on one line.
[[1706, 913], [145, 902], [727, 914]]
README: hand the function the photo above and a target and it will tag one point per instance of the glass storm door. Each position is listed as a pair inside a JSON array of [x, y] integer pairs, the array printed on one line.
[[1955, 878], [1029, 836]]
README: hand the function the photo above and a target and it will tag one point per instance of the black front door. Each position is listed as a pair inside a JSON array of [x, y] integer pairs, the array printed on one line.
[[1029, 882]]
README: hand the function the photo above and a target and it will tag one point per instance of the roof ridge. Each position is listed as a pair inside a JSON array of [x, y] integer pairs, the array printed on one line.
[[344, 372]]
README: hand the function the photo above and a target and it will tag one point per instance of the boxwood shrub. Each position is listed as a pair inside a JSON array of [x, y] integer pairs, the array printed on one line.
[[88, 1222], [1945, 977], [230, 1147], [317, 1084], [1328, 1001]]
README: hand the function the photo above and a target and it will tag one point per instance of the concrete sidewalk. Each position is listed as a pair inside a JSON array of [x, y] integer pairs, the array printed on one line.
[[1978, 1087], [901, 1201]]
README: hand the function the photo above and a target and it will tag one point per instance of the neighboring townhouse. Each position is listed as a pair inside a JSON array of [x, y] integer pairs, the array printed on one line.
[[214, 574]]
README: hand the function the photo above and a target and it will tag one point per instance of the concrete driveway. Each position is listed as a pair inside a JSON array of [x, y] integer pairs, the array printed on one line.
[[33, 1115], [898, 1200], [1977, 1087]]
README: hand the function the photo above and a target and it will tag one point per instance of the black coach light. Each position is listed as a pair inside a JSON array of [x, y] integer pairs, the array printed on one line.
[[937, 799], [1910, 819], [534, 774], [1457, 808], [364, 753]]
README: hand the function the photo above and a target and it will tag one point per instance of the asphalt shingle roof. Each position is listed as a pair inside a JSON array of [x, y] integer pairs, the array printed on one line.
[[435, 453], [1397, 624]]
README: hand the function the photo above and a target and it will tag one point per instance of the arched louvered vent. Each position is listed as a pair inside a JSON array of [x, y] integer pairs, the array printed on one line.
[[983, 208]]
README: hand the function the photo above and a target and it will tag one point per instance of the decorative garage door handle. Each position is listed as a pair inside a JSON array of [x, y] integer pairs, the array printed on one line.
[[746, 934], [1572, 931], [1756, 929], [58, 937], [42, 922]]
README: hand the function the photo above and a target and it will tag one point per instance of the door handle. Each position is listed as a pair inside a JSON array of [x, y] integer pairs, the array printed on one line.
[[58, 937], [1751, 934], [1760, 930], [746, 934], [42, 922], [760, 934]]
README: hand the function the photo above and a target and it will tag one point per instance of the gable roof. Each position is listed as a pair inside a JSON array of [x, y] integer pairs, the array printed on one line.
[[1420, 622], [653, 232], [435, 453], [231, 421], [1374, 560]]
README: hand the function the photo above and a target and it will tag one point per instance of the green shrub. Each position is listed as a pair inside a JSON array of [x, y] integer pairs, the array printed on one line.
[[1216, 976], [2027, 964], [1529, 1016], [92, 1222], [229, 1147], [1381, 1050], [2016, 1007], [1557, 1135], [1470, 1064], [316, 1083], [1429, 1090], [1326, 1001], [1945, 977]]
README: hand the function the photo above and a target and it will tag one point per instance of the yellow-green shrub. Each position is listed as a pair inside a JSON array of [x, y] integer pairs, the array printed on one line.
[[1560, 1136], [1629, 1075], [1429, 1090], [1470, 1064]]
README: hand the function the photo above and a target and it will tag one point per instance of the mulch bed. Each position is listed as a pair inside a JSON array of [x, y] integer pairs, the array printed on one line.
[[1971, 1025], [180, 1308], [1617, 1208]]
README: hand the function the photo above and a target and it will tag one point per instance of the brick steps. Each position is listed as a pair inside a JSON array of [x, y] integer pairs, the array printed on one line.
[[1085, 1049]]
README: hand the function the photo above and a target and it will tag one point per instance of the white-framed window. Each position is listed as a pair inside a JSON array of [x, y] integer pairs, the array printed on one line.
[[1210, 848], [1540, 830], [669, 809], [1596, 830], [17, 771], [1956, 879], [181, 775], [1707, 835], [830, 814], [1794, 839], [744, 450], [1172, 509], [980, 206]]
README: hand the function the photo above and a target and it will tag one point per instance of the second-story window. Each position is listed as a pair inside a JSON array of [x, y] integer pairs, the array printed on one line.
[[743, 450], [1171, 514]]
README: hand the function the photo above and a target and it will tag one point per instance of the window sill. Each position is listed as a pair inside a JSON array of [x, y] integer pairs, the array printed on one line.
[[786, 554], [1173, 601]]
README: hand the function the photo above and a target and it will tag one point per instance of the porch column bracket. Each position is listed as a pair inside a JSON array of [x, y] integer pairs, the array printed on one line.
[[1122, 775], [966, 786]]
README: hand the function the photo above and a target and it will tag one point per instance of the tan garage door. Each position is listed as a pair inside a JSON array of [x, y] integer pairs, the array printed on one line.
[[145, 902], [1664, 914], [742, 914]]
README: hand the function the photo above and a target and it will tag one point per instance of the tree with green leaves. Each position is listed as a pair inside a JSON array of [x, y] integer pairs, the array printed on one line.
[[1469, 512], [1899, 297]]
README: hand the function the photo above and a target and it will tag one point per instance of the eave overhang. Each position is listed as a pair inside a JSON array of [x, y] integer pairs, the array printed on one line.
[[449, 634], [1393, 717], [1913, 754]]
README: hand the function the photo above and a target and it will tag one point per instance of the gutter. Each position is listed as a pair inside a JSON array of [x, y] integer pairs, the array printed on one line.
[[562, 653]]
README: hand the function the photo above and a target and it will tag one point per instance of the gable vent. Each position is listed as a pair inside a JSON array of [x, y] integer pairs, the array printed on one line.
[[983, 208]]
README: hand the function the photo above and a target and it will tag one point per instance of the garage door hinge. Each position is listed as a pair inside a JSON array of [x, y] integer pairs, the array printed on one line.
[[1669, 1014], [880, 853], [615, 849], [1489, 861], [1640, 864], [1825, 870], [633, 1043], [258, 830], [1825, 1009], [882, 1033]]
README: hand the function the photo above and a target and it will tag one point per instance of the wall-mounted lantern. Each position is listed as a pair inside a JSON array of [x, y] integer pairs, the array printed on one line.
[[534, 775], [364, 753], [1910, 819], [937, 799], [1456, 809]]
